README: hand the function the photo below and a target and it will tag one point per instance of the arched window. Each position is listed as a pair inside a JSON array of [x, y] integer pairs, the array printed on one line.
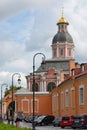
[[51, 86], [35, 87], [12, 104]]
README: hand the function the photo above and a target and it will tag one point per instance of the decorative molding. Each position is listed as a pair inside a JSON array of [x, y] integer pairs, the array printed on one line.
[[22, 101]]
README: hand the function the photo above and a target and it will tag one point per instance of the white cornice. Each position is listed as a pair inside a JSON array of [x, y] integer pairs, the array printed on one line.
[[30, 93]]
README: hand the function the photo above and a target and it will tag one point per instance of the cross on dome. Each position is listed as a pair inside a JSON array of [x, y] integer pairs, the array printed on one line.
[[62, 20]]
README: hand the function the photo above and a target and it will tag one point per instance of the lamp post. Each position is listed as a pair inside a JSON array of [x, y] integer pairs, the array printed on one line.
[[33, 125], [4, 84], [19, 80]]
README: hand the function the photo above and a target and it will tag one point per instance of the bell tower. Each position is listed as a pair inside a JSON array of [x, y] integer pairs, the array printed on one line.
[[62, 43]]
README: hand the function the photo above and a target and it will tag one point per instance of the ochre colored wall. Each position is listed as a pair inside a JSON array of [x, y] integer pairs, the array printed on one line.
[[74, 107], [43, 104], [54, 103]]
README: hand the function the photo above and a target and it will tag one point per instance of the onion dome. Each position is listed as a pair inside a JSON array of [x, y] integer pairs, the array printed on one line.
[[62, 37], [62, 20]]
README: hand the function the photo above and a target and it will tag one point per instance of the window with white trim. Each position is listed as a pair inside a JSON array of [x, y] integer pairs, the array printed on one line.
[[81, 94], [55, 102], [72, 103], [62, 100], [36, 103], [67, 98]]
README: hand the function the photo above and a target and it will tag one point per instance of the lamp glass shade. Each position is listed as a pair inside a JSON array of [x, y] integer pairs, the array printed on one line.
[[19, 81]]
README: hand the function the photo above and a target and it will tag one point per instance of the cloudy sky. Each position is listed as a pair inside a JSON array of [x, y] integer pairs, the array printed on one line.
[[28, 27]]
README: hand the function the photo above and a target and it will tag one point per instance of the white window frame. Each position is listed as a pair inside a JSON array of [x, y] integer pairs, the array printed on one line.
[[67, 98], [55, 102], [72, 90], [22, 102], [62, 100], [81, 95], [37, 107]]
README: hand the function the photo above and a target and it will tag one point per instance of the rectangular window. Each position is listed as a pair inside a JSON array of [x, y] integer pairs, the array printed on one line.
[[72, 97], [54, 53], [62, 52], [55, 103], [62, 100], [67, 99], [69, 52], [25, 105], [36, 105], [81, 95]]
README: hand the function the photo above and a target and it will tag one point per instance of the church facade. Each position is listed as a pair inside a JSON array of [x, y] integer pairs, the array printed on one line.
[[47, 78], [61, 63]]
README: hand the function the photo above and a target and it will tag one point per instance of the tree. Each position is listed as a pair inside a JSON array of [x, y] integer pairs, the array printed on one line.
[[10, 89]]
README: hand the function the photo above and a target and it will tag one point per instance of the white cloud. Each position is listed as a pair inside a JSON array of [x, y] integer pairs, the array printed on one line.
[[27, 27], [9, 51], [6, 78]]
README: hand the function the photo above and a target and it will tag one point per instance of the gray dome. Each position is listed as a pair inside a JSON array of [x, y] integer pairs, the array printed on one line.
[[62, 37]]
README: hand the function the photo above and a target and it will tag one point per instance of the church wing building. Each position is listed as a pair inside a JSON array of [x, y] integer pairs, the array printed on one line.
[[70, 97]]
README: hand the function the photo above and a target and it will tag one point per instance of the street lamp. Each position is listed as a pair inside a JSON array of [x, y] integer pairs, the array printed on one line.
[[4, 84], [19, 80], [33, 125]]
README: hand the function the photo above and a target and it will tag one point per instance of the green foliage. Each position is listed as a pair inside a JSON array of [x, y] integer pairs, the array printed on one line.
[[6, 92], [15, 88], [10, 89], [11, 127]]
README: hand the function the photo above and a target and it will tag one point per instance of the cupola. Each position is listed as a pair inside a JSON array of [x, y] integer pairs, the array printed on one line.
[[62, 43], [62, 20]]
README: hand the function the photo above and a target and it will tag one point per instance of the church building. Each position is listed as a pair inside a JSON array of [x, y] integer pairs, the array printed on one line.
[[47, 78], [57, 83], [61, 63]]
